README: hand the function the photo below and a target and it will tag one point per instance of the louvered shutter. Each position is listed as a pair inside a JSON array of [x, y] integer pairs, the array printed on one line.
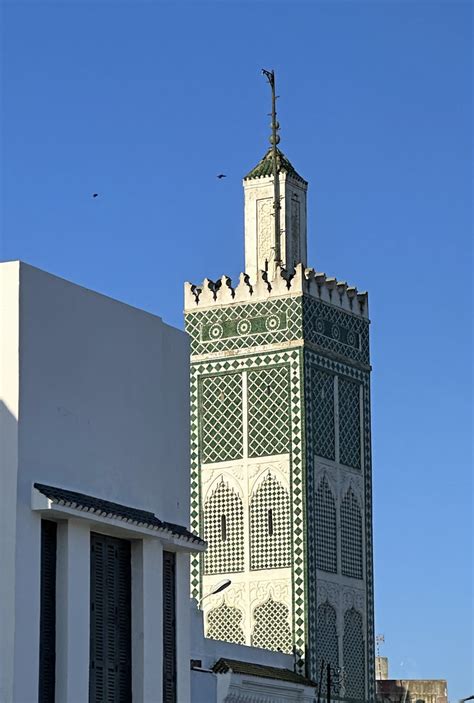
[[47, 649], [110, 621], [169, 627]]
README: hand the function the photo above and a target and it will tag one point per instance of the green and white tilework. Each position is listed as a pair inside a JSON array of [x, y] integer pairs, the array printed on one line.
[[286, 380]]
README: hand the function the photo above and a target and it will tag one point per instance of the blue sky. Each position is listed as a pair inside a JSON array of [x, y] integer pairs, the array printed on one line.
[[145, 102]]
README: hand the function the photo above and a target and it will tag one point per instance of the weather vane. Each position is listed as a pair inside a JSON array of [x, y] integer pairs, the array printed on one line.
[[274, 139]]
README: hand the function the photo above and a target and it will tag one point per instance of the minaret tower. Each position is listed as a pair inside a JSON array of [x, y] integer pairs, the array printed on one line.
[[280, 443]]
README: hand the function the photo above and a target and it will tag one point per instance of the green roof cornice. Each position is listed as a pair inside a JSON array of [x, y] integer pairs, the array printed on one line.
[[265, 167]]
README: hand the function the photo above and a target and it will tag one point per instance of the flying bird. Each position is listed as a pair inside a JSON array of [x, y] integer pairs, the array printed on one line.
[[94, 195], [221, 175]]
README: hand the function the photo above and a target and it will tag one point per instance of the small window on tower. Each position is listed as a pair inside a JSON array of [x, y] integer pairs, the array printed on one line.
[[270, 522], [223, 528]]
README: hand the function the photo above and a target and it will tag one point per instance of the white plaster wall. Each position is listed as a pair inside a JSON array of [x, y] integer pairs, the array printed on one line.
[[9, 326], [104, 398], [259, 223], [103, 409]]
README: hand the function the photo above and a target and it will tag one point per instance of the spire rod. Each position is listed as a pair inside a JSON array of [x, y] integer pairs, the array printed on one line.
[[274, 139]]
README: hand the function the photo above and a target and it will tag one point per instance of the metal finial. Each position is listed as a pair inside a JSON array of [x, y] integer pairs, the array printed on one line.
[[274, 139]]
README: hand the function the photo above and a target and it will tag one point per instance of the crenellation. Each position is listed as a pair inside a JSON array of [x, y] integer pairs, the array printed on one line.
[[297, 281]]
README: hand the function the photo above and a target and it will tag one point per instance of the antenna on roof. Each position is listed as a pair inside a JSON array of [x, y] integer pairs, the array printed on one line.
[[274, 139]]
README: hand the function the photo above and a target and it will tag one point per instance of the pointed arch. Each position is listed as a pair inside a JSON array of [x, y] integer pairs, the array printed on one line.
[[353, 651], [270, 538], [224, 531], [326, 528], [272, 627], [225, 623], [351, 536], [327, 646]]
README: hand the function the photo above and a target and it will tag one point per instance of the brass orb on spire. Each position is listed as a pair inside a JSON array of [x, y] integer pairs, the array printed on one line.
[[277, 139]]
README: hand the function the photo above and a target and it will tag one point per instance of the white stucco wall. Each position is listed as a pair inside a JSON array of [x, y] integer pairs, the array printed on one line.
[[102, 408], [9, 326]]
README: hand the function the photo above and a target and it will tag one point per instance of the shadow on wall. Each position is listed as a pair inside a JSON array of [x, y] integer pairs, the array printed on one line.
[[8, 501], [390, 691]]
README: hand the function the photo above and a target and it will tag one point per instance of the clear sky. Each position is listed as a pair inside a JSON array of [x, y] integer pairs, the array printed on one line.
[[145, 102]]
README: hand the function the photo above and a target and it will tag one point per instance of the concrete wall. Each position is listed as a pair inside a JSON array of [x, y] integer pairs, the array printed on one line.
[[9, 327], [104, 398], [102, 408]]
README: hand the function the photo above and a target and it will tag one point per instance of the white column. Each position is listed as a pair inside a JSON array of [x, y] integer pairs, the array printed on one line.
[[147, 621], [183, 628], [72, 612]]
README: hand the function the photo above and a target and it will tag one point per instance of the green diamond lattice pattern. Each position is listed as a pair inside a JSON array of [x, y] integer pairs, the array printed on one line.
[[353, 655], [349, 423], [221, 418], [351, 536], [225, 623], [326, 529], [292, 358], [358, 377], [326, 642], [279, 320], [268, 411], [225, 552], [335, 330], [272, 628], [270, 544], [323, 426]]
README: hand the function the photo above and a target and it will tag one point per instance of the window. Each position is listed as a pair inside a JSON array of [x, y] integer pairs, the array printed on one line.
[[351, 536], [270, 540], [110, 676], [169, 627], [47, 653], [224, 531], [326, 541]]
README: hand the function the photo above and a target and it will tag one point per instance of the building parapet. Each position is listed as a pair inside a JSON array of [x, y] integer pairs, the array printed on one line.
[[297, 282]]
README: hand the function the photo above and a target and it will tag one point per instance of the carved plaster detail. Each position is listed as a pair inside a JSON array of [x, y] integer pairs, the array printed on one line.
[[264, 231], [260, 591], [328, 591], [280, 470], [353, 598], [348, 480]]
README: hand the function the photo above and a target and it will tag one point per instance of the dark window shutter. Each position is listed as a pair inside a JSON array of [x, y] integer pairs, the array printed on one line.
[[169, 627], [110, 621], [47, 650]]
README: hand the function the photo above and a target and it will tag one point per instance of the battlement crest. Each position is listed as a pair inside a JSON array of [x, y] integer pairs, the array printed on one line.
[[299, 281]]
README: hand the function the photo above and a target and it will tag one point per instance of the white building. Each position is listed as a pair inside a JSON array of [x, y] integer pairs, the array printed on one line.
[[94, 497]]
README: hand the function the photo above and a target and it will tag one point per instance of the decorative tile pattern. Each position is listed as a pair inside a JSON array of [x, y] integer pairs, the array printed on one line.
[[268, 411], [272, 628], [353, 655], [349, 423], [351, 536], [225, 623], [335, 330], [244, 326], [303, 488], [326, 529], [357, 376], [261, 329], [224, 531], [327, 641], [323, 425], [270, 542], [235, 364], [369, 568], [221, 417]]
